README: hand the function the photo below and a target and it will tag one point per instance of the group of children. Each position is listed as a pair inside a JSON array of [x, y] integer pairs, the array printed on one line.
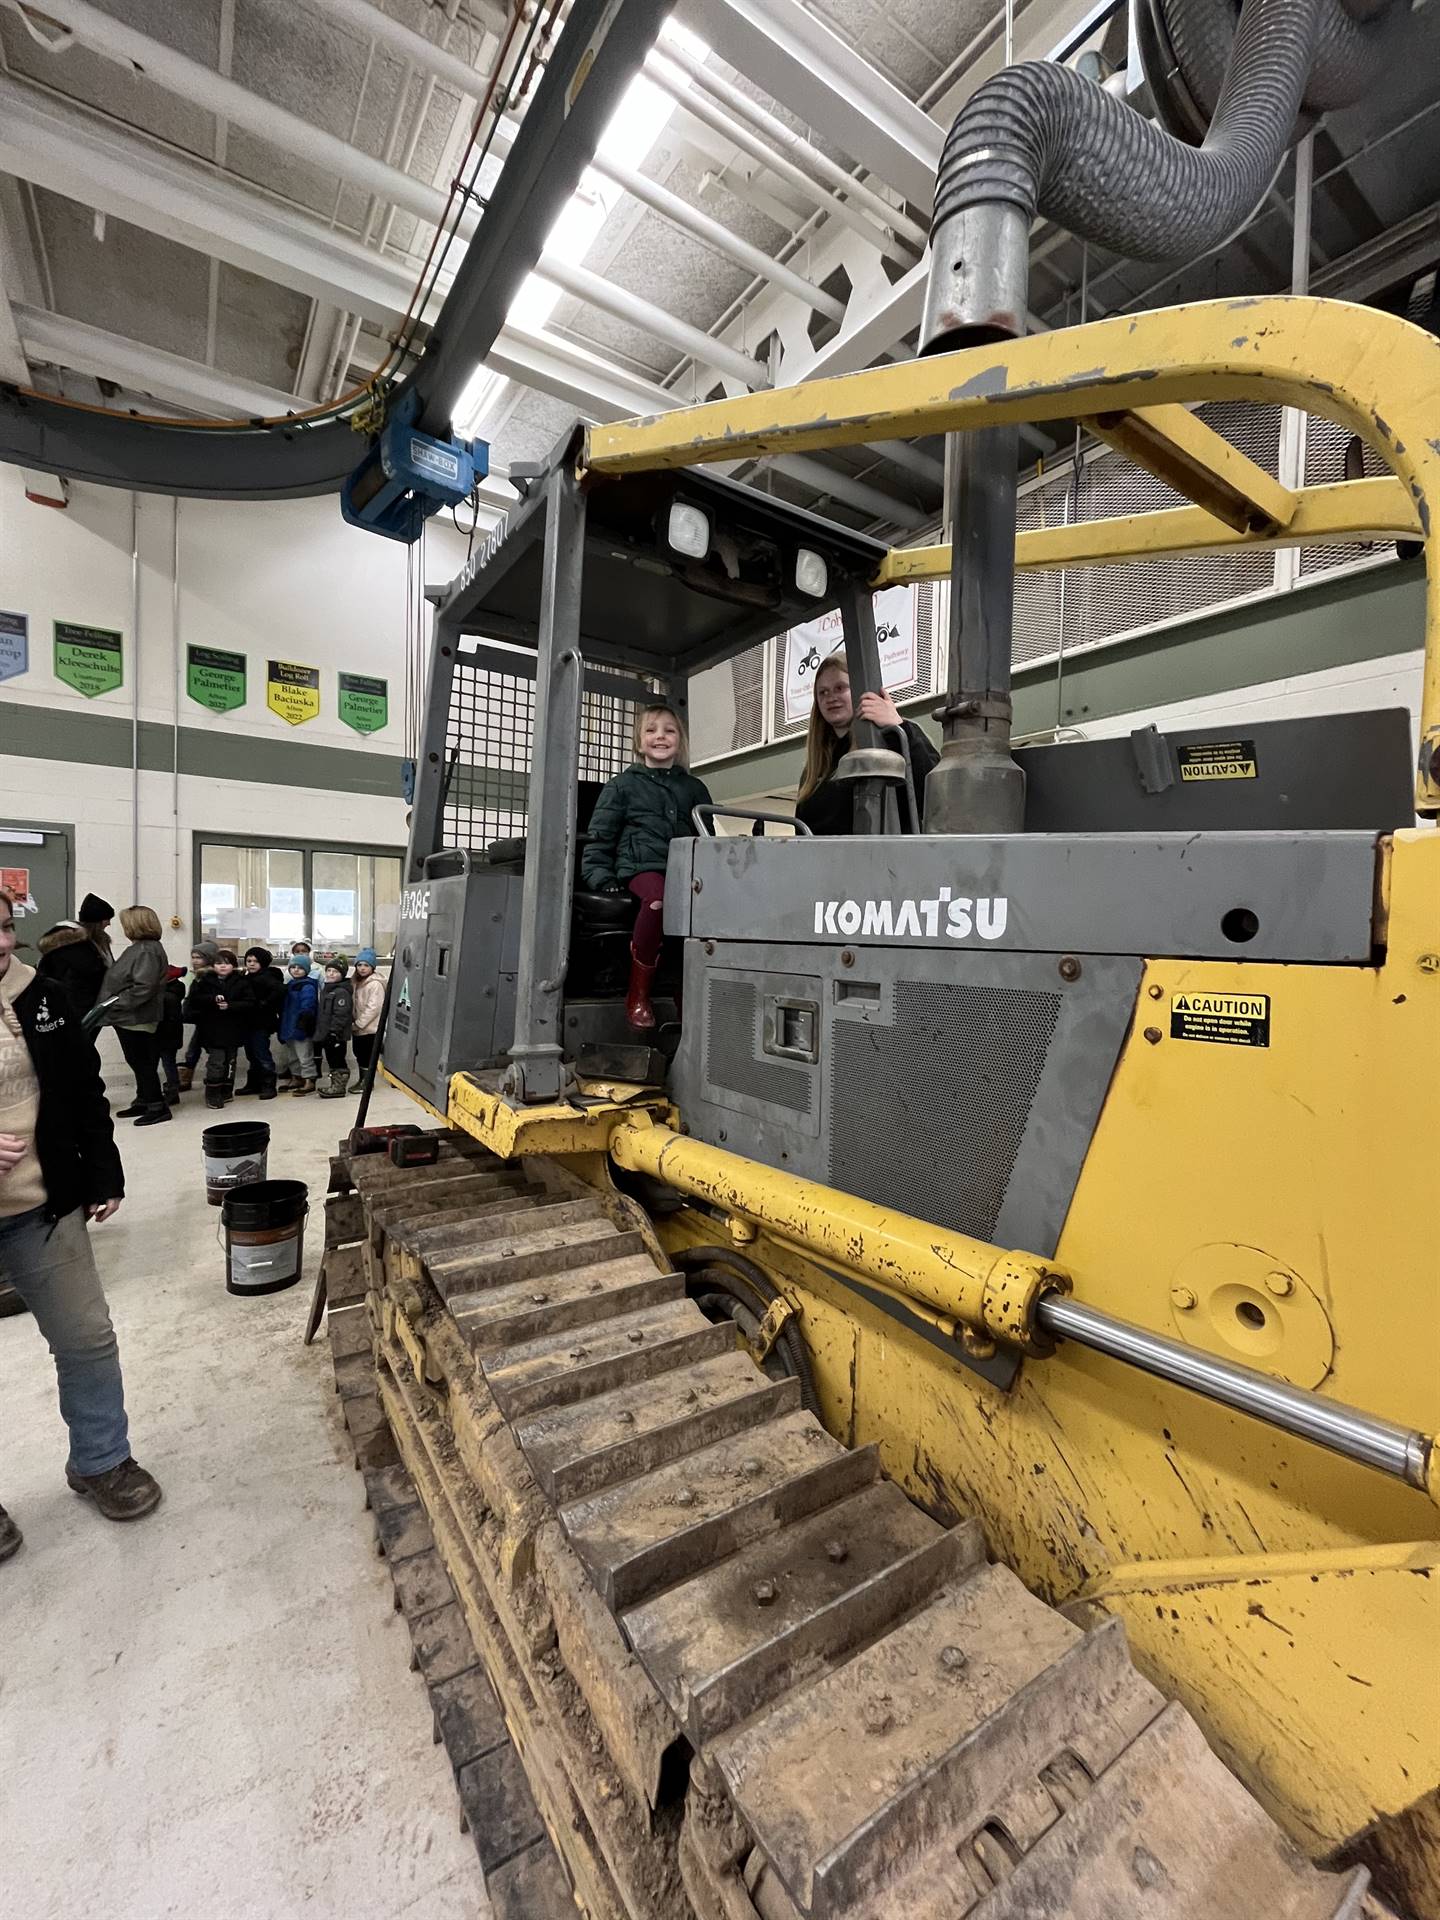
[[243, 1003]]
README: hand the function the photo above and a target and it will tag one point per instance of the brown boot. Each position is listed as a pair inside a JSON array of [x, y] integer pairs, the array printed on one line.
[[186, 1077], [126, 1492], [638, 1010], [305, 1086]]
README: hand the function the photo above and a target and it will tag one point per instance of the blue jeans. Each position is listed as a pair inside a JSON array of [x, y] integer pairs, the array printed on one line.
[[52, 1269], [257, 1052]]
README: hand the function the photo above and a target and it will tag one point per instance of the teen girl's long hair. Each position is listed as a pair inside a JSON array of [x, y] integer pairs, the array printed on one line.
[[822, 744]]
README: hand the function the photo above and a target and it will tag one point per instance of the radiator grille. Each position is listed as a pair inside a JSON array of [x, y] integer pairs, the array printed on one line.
[[732, 1043], [927, 1116]]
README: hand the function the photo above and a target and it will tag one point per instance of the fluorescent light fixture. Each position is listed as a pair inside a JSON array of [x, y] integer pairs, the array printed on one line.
[[689, 530], [634, 130], [812, 576]]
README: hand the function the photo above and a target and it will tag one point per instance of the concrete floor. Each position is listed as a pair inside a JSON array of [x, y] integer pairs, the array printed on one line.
[[211, 1710]]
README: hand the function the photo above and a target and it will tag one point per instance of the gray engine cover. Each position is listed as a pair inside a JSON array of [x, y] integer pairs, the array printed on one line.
[[961, 1087]]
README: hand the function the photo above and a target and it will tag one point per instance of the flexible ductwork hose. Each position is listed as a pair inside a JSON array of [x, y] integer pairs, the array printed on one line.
[[1353, 41], [1041, 139]]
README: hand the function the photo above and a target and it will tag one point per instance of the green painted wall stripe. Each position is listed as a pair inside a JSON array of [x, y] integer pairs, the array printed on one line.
[[1331, 624], [104, 740]]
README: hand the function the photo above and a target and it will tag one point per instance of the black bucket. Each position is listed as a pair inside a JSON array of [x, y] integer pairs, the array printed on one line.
[[234, 1156], [264, 1226]]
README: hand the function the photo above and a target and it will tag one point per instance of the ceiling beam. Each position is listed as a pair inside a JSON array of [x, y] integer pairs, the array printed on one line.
[[13, 366], [55, 340], [202, 86], [1397, 254], [71, 151], [809, 69], [371, 23], [67, 150]]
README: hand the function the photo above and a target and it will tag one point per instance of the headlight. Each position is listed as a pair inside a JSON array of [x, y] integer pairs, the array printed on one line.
[[689, 530], [812, 576]]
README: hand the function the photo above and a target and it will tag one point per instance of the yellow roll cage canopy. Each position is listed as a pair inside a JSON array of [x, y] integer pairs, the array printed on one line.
[[1130, 380]]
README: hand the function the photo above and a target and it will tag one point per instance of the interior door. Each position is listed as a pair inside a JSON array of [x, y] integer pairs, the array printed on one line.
[[35, 871]]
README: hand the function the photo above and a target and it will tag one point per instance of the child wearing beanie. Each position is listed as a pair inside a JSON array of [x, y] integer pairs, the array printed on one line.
[[297, 1028], [369, 1004]]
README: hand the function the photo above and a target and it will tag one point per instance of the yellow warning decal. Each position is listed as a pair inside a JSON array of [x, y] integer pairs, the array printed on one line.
[[1218, 760], [1225, 1019]]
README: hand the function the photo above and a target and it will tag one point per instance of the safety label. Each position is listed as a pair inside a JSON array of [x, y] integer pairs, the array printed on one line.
[[1227, 1019], [1218, 760]]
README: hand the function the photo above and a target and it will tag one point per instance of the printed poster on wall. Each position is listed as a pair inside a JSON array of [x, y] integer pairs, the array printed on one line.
[[810, 645], [215, 678], [16, 882], [364, 703], [14, 644], [89, 659], [293, 691]]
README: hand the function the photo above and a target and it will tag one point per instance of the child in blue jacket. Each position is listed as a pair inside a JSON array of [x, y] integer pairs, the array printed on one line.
[[296, 1038]]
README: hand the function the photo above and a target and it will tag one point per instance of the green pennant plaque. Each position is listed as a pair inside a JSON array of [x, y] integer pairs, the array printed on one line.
[[364, 703], [89, 659], [215, 678]]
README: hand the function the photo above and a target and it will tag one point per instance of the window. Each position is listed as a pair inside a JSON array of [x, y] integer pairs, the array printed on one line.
[[339, 898]]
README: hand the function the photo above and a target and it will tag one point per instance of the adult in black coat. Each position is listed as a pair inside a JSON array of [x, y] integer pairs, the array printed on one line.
[[68, 954], [58, 1170], [222, 1008], [266, 987]]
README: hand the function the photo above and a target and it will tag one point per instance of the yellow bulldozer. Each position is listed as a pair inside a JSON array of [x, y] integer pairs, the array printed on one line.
[[956, 1435], [944, 1426]]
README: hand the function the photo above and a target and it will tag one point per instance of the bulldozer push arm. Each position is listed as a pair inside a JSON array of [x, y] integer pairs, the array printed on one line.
[[980, 1294]]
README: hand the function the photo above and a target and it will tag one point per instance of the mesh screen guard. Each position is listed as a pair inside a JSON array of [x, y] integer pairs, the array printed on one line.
[[489, 736]]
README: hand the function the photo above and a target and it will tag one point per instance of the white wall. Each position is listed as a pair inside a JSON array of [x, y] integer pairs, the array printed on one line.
[[288, 580]]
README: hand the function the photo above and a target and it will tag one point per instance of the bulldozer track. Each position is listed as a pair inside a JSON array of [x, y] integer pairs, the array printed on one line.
[[746, 1675]]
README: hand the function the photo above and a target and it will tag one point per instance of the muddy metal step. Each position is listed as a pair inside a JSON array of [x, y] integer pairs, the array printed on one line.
[[898, 1726]]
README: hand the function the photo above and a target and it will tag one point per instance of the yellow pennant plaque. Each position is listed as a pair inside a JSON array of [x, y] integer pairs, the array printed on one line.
[[293, 691]]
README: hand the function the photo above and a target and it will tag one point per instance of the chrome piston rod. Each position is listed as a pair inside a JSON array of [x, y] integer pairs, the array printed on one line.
[[1399, 1451]]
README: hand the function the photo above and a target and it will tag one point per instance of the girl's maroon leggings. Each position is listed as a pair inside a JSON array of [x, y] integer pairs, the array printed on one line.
[[649, 890]]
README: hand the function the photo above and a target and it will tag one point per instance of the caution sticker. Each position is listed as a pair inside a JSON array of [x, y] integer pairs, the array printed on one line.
[[1225, 1019], [1218, 760]]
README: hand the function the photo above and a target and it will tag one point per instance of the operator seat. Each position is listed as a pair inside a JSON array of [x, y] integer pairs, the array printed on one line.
[[600, 923]]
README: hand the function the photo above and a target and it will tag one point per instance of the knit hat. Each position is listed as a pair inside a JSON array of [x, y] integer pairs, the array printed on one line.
[[299, 963], [207, 950], [340, 963], [92, 907], [365, 957], [301, 942], [262, 954], [227, 954]]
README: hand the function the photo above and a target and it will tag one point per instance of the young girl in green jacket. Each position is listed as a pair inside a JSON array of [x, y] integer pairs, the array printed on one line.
[[638, 814]]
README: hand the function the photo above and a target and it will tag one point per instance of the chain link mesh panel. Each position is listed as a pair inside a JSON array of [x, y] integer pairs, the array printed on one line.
[[489, 735]]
